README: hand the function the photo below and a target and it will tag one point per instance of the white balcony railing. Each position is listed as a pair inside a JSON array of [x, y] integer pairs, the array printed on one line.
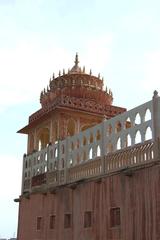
[[103, 148]]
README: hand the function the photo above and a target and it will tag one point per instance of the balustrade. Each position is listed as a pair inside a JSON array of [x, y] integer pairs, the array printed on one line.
[[123, 141]]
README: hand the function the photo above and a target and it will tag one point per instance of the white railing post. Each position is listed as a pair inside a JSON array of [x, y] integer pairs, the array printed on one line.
[[156, 123], [22, 186], [66, 160], [103, 145]]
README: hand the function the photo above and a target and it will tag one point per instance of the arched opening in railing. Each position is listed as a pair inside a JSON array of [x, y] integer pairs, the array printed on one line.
[[56, 152], [118, 144], [129, 140], [138, 138], [148, 133], [98, 151], [137, 119], [147, 115], [91, 153], [45, 157]]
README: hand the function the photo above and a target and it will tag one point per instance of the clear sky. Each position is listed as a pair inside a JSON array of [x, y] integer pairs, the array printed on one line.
[[119, 39]]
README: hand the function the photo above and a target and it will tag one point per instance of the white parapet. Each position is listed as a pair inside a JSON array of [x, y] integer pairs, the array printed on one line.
[[119, 133]]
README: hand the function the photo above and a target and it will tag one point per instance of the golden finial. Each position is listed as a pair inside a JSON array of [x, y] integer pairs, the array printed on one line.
[[76, 60]]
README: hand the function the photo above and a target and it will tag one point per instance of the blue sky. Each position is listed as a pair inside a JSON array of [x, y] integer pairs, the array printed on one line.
[[119, 39]]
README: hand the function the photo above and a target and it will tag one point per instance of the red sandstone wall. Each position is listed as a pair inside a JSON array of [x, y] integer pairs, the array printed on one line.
[[137, 196]]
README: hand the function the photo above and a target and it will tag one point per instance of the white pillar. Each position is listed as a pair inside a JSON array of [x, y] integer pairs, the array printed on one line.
[[156, 116]]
